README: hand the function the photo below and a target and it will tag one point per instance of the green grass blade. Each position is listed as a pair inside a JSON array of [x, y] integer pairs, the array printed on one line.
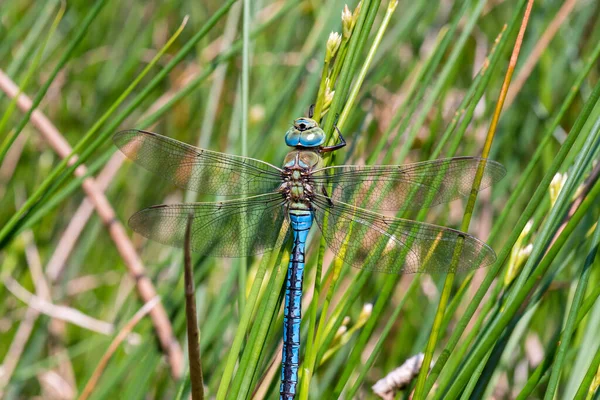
[[77, 38], [525, 216], [521, 289]]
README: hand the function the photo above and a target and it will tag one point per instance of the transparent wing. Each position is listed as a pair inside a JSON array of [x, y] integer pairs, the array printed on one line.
[[197, 169], [367, 240], [233, 228], [411, 186]]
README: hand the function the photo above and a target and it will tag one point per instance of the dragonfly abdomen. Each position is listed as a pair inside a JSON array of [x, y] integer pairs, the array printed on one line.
[[301, 222]]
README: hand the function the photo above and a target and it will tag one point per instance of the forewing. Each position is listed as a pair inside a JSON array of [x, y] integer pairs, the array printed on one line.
[[197, 169], [233, 228], [367, 240], [411, 186]]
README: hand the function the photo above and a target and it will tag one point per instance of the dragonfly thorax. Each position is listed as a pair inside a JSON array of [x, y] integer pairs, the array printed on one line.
[[305, 133], [297, 186]]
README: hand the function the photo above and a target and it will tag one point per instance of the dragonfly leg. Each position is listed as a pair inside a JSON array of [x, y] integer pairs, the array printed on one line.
[[337, 146], [324, 190], [311, 110]]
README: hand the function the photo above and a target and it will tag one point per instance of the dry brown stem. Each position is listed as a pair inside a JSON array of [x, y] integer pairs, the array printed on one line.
[[539, 49], [116, 230], [146, 308]]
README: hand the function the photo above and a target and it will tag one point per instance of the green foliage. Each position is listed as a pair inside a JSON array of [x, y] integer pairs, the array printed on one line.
[[412, 83]]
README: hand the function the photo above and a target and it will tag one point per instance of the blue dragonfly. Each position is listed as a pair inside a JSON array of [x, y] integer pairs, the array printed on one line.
[[343, 201]]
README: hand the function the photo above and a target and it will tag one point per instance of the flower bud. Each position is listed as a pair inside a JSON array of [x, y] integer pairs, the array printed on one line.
[[348, 21], [518, 255], [366, 312], [328, 97], [517, 262], [356, 12], [333, 44], [340, 332], [526, 229], [556, 186]]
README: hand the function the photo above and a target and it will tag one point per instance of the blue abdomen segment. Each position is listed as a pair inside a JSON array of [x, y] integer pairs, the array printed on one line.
[[301, 222]]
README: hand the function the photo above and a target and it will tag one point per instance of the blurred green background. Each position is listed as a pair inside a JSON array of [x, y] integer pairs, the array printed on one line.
[[421, 74]]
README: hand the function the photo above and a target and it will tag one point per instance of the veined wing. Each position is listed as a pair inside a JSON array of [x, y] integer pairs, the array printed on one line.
[[367, 240], [197, 169], [232, 228], [410, 186]]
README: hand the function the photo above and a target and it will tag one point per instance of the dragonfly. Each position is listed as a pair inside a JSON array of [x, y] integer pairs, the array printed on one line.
[[274, 204]]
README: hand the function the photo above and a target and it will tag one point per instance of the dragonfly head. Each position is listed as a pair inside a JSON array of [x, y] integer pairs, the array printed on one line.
[[305, 133]]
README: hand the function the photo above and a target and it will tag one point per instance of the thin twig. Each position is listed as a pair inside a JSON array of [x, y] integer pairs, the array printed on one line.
[[58, 261], [116, 230], [13, 355], [63, 313], [34, 263], [191, 319], [146, 308], [55, 326], [25, 329], [9, 165], [86, 283], [538, 50], [507, 80], [420, 391]]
